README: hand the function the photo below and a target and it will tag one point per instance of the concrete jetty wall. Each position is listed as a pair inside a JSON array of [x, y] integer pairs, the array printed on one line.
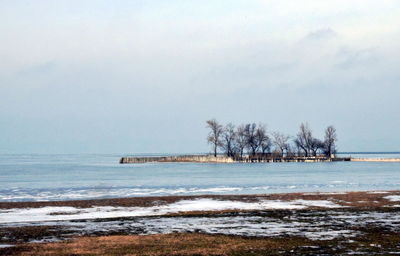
[[194, 159], [375, 159]]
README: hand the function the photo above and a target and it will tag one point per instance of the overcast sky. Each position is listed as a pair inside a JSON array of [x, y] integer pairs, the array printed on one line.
[[144, 76]]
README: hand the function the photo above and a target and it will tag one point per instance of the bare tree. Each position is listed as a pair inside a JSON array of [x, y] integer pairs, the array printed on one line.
[[315, 145], [254, 139], [262, 139], [298, 150], [251, 137], [241, 139], [304, 139], [266, 145], [228, 139], [330, 141], [281, 142], [290, 151], [214, 136]]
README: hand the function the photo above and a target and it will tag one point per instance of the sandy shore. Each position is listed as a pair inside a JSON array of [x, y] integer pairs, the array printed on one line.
[[341, 223]]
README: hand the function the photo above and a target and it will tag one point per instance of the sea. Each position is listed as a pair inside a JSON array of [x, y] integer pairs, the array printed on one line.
[[39, 177]]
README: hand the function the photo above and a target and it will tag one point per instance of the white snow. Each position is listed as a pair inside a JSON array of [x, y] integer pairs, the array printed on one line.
[[393, 198], [324, 225], [72, 194], [317, 203], [333, 193], [204, 204], [6, 245], [324, 193]]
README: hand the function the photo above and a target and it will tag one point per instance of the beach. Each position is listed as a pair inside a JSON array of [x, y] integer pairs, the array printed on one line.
[[266, 224]]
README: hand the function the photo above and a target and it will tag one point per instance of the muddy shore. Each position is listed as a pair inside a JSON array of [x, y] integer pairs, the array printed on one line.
[[342, 223], [355, 199]]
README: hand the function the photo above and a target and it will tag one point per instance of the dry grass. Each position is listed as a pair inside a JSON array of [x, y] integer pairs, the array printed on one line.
[[156, 245], [355, 199], [202, 244], [373, 242]]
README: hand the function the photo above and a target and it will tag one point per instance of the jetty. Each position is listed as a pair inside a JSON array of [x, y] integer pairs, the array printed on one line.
[[226, 159], [183, 158], [389, 160]]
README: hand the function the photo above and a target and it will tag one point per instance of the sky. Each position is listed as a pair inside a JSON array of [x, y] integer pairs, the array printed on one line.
[[140, 76]]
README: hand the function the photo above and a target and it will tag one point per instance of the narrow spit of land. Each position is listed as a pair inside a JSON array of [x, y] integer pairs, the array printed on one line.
[[247, 159], [226, 159], [341, 223]]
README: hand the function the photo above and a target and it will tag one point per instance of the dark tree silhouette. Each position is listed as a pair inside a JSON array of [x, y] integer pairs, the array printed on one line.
[[255, 139], [241, 139], [262, 139], [304, 139], [215, 134], [281, 142], [315, 145], [251, 138], [228, 139], [330, 141]]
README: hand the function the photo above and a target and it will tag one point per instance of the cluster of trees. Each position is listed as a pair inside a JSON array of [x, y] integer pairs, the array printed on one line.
[[254, 139]]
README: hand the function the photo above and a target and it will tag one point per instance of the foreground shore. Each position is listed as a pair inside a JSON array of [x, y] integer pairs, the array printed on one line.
[[302, 223]]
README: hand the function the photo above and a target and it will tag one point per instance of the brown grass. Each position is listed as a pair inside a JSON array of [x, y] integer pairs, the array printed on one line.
[[156, 245], [356, 199], [373, 242]]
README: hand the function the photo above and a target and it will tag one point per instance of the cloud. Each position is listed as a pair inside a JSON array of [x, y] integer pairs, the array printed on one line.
[[182, 62], [350, 58], [321, 34], [38, 69]]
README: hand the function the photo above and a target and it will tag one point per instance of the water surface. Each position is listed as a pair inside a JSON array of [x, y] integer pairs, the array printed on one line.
[[66, 177]]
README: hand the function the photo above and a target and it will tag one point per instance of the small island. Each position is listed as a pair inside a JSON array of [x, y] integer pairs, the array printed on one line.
[[252, 143]]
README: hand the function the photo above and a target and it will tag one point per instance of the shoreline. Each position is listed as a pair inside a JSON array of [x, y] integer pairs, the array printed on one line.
[[305, 223], [147, 201]]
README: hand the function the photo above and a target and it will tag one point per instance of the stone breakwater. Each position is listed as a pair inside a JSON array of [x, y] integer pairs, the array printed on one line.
[[375, 160], [225, 159], [194, 159]]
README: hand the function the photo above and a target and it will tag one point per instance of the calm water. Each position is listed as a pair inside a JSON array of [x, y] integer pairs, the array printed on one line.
[[64, 177]]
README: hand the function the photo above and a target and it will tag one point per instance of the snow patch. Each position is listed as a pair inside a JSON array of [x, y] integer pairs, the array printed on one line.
[[393, 198], [101, 212], [6, 245], [317, 203], [324, 193]]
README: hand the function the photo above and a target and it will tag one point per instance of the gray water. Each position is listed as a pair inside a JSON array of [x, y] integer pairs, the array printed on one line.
[[67, 177]]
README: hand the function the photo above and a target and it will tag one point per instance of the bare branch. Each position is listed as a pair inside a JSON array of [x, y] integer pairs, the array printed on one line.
[[281, 142], [228, 139], [330, 141], [214, 136]]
